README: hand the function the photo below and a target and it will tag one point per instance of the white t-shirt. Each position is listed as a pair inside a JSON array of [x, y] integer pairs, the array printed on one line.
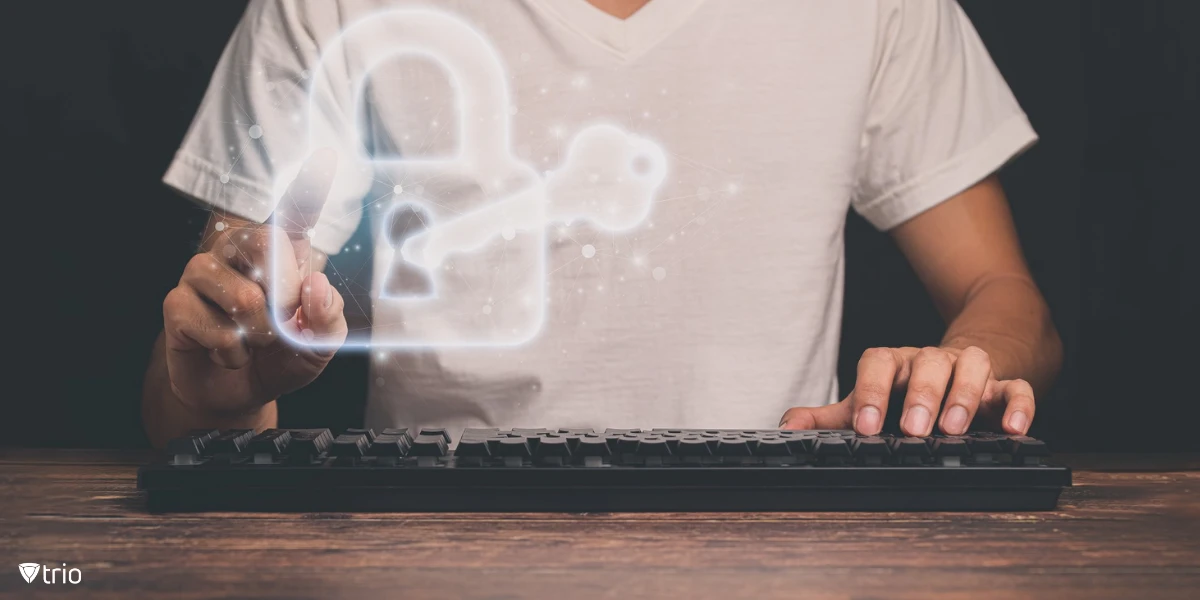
[[723, 308]]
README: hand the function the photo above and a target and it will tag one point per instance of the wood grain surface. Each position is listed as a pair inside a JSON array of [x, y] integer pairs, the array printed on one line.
[[1130, 528]]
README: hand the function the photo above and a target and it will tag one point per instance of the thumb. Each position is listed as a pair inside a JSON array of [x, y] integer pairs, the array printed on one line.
[[831, 416], [300, 208]]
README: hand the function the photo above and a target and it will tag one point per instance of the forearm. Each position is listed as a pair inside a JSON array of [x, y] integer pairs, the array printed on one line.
[[165, 416], [1007, 317]]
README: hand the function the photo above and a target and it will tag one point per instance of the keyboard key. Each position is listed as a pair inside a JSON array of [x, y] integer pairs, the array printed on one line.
[[493, 444], [871, 445], [389, 444], [732, 447], [350, 445], [572, 440], [436, 431], [912, 450], [185, 450], [518, 446], [367, 432], [772, 447], [652, 446], [832, 447], [628, 443], [203, 435], [232, 441], [569, 431], [693, 447], [479, 433], [553, 448], [1024, 446], [983, 443], [950, 446], [403, 432], [428, 445], [308, 444], [949, 451], [472, 447], [592, 446], [801, 445], [271, 442]]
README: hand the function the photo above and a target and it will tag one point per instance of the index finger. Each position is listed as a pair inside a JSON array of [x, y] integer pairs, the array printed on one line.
[[300, 207], [877, 372]]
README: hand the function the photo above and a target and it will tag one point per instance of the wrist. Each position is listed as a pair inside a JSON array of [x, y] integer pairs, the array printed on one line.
[[169, 417], [255, 416]]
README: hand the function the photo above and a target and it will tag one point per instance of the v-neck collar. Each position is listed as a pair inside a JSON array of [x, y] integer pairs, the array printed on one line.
[[627, 39]]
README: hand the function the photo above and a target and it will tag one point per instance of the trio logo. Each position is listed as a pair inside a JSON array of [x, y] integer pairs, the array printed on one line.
[[30, 572]]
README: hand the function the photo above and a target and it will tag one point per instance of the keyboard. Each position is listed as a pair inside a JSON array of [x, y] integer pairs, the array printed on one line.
[[584, 470]]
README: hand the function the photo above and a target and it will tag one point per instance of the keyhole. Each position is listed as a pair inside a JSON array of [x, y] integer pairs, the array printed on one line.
[[404, 278], [640, 165]]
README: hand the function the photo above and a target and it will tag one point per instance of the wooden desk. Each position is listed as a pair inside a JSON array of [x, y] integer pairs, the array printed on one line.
[[1129, 529]]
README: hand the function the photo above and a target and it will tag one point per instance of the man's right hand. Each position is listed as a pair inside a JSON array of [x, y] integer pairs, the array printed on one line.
[[225, 355]]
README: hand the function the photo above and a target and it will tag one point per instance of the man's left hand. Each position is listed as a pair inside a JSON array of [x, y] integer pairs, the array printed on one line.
[[963, 378]]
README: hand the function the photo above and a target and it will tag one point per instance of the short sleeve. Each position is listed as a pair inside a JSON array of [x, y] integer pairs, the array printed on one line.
[[251, 131], [940, 117]]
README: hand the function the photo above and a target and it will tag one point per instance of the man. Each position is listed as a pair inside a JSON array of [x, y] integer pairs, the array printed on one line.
[[721, 311]]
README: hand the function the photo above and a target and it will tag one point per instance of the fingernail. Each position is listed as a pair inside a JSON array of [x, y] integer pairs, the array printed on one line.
[[1018, 421], [868, 420], [917, 420], [783, 425], [329, 297], [956, 420]]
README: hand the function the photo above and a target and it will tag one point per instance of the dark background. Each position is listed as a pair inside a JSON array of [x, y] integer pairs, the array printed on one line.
[[97, 96]]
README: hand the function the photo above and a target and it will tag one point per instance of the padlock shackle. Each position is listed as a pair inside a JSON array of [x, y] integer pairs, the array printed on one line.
[[475, 70]]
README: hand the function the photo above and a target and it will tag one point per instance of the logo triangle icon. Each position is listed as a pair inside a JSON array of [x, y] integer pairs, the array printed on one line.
[[29, 571]]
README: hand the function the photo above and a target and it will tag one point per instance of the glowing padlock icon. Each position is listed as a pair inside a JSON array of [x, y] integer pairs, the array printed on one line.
[[609, 177]]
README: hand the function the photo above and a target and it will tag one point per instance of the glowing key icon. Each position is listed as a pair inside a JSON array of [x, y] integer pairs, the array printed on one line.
[[609, 178]]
